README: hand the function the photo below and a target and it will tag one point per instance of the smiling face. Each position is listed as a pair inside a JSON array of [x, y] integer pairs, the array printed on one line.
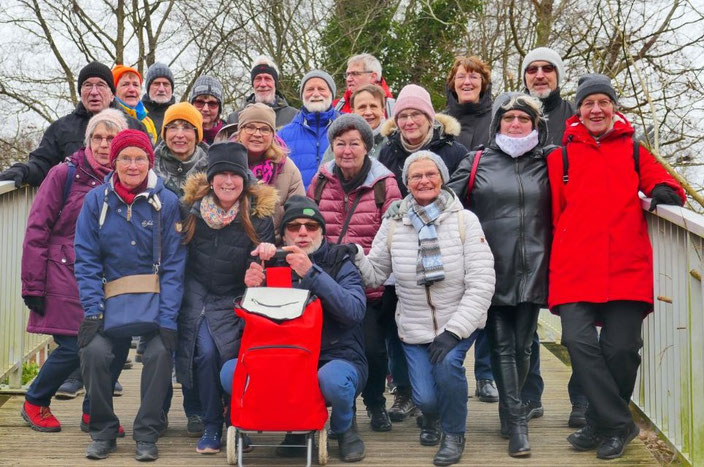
[[180, 138], [100, 143], [95, 95], [350, 152], [316, 95], [468, 85], [305, 233], [414, 125], [541, 78], [132, 166], [516, 123], [227, 187], [264, 88], [369, 108], [209, 108], [424, 181], [257, 138], [160, 91], [597, 113], [128, 89]]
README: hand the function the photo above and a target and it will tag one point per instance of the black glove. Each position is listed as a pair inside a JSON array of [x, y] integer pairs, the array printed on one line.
[[87, 331], [35, 303], [664, 194], [17, 173], [170, 338], [441, 345]]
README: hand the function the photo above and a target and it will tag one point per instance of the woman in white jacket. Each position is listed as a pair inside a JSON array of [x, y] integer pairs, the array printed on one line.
[[444, 274]]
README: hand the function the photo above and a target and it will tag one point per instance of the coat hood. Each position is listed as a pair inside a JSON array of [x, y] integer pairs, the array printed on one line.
[[264, 198], [377, 172], [498, 111], [576, 131], [445, 124]]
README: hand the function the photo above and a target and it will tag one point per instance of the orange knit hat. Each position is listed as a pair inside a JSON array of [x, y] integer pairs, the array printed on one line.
[[119, 70], [186, 112]]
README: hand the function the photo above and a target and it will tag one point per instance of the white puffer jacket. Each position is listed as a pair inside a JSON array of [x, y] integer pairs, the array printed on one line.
[[459, 303]]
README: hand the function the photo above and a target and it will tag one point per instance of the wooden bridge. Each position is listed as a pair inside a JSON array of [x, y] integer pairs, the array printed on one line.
[[20, 445]]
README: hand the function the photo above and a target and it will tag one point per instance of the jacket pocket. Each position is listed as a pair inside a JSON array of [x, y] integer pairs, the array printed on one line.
[[60, 278]]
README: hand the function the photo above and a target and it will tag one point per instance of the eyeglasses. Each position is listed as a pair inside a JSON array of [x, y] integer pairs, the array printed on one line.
[[200, 104], [97, 139], [432, 176], [263, 130], [522, 119], [138, 161], [472, 76], [296, 226], [175, 127], [602, 103], [533, 69], [356, 74], [88, 87], [415, 116]]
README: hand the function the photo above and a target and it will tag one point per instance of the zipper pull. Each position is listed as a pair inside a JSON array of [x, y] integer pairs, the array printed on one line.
[[129, 212]]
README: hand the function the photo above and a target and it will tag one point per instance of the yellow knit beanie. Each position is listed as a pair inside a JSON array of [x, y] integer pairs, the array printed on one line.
[[186, 112]]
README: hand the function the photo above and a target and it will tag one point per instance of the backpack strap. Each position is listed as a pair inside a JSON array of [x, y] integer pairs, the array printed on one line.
[[390, 234], [460, 225], [319, 187], [636, 155], [68, 183], [565, 165], [380, 193], [473, 173]]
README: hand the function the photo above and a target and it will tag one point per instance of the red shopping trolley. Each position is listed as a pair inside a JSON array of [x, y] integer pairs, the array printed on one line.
[[275, 385]]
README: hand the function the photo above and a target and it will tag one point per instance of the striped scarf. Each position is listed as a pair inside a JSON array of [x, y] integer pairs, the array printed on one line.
[[429, 267]]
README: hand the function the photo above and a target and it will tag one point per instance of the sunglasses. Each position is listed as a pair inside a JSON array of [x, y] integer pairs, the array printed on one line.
[[533, 69], [295, 226]]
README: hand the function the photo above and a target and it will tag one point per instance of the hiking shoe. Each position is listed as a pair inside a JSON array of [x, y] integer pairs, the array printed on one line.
[[293, 445], [40, 418], [351, 445], [585, 438], [128, 364], [194, 428], [533, 409], [85, 426], [70, 389], [403, 406], [612, 447], [578, 416], [209, 443], [146, 451], [138, 357], [100, 448], [379, 418], [117, 389], [486, 391]]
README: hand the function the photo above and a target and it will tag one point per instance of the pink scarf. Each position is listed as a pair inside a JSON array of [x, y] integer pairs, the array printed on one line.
[[99, 169]]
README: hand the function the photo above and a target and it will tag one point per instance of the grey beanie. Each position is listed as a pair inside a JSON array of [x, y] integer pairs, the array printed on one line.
[[349, 122], [444, 173], [159, 70], [318, 74], [207, 85], [543, 54], [594, 83]]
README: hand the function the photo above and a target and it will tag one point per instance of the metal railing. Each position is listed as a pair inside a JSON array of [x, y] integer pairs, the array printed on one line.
[[669, 390], [16, 345]]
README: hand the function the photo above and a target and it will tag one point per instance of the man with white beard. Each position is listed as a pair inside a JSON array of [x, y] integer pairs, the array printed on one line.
[[159, 93], [307, 134], [265, 83]]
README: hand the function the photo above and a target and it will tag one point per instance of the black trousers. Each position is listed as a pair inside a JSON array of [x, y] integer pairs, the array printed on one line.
[[378, 322], [605, 365], [510, 331]]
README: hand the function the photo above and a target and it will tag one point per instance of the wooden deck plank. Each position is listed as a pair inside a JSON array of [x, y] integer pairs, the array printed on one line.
[[19, 445]]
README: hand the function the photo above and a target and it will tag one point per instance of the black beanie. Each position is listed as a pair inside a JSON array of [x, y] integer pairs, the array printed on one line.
[[594, 83], [299, 206], [264, 68], [228, 157], [96, 70]]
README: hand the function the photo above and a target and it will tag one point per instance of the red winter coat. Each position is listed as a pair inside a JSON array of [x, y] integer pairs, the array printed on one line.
[[600, 250], [346, 108], [366, 220], [48, 255]]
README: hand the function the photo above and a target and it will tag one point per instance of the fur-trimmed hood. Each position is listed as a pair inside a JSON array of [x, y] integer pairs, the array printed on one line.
[[448, 125], [264, 197]]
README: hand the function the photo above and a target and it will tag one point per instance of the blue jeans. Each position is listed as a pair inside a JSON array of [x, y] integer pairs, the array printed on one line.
[[440, 389], [482, 357], [206, 370], [339, 383]]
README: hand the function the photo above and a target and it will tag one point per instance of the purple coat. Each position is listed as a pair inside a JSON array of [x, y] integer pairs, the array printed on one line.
[[48, 255]]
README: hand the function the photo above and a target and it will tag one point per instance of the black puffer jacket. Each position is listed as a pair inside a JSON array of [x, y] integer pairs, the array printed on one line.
[[156, 112], [511, 198], [443, 143], [474, 119], [217, 261], [63, 137]]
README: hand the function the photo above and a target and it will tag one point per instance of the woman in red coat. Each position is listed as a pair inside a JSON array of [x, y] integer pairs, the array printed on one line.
[[601, 265]]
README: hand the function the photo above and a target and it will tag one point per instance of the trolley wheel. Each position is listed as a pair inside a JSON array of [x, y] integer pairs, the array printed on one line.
[[231, 445], [323, 447]]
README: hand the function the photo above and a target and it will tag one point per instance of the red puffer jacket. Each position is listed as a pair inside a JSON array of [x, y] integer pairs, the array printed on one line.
[[601, 251], [365, 222]]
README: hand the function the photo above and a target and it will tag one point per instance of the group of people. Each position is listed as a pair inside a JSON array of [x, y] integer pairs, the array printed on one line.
[[422, 233]]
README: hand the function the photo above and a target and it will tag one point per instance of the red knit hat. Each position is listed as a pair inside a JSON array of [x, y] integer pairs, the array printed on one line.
[[128, 138]]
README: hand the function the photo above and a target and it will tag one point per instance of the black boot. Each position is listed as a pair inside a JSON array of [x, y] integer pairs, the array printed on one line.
[[503, 419], [429, 430], [451, 449], [351, 445], [518, 445]]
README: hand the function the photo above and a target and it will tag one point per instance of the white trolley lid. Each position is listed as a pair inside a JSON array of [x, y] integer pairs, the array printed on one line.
[[275, 302]]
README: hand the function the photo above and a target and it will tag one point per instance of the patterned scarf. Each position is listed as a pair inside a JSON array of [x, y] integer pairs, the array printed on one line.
[[267, 171], [429, 267], [215, 216]]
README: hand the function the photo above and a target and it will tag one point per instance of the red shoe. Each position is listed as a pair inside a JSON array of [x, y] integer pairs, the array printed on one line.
[[40, 418], [85, 426]]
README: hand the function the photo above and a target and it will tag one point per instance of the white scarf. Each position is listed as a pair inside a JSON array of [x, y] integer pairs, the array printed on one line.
[[516, 147]]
